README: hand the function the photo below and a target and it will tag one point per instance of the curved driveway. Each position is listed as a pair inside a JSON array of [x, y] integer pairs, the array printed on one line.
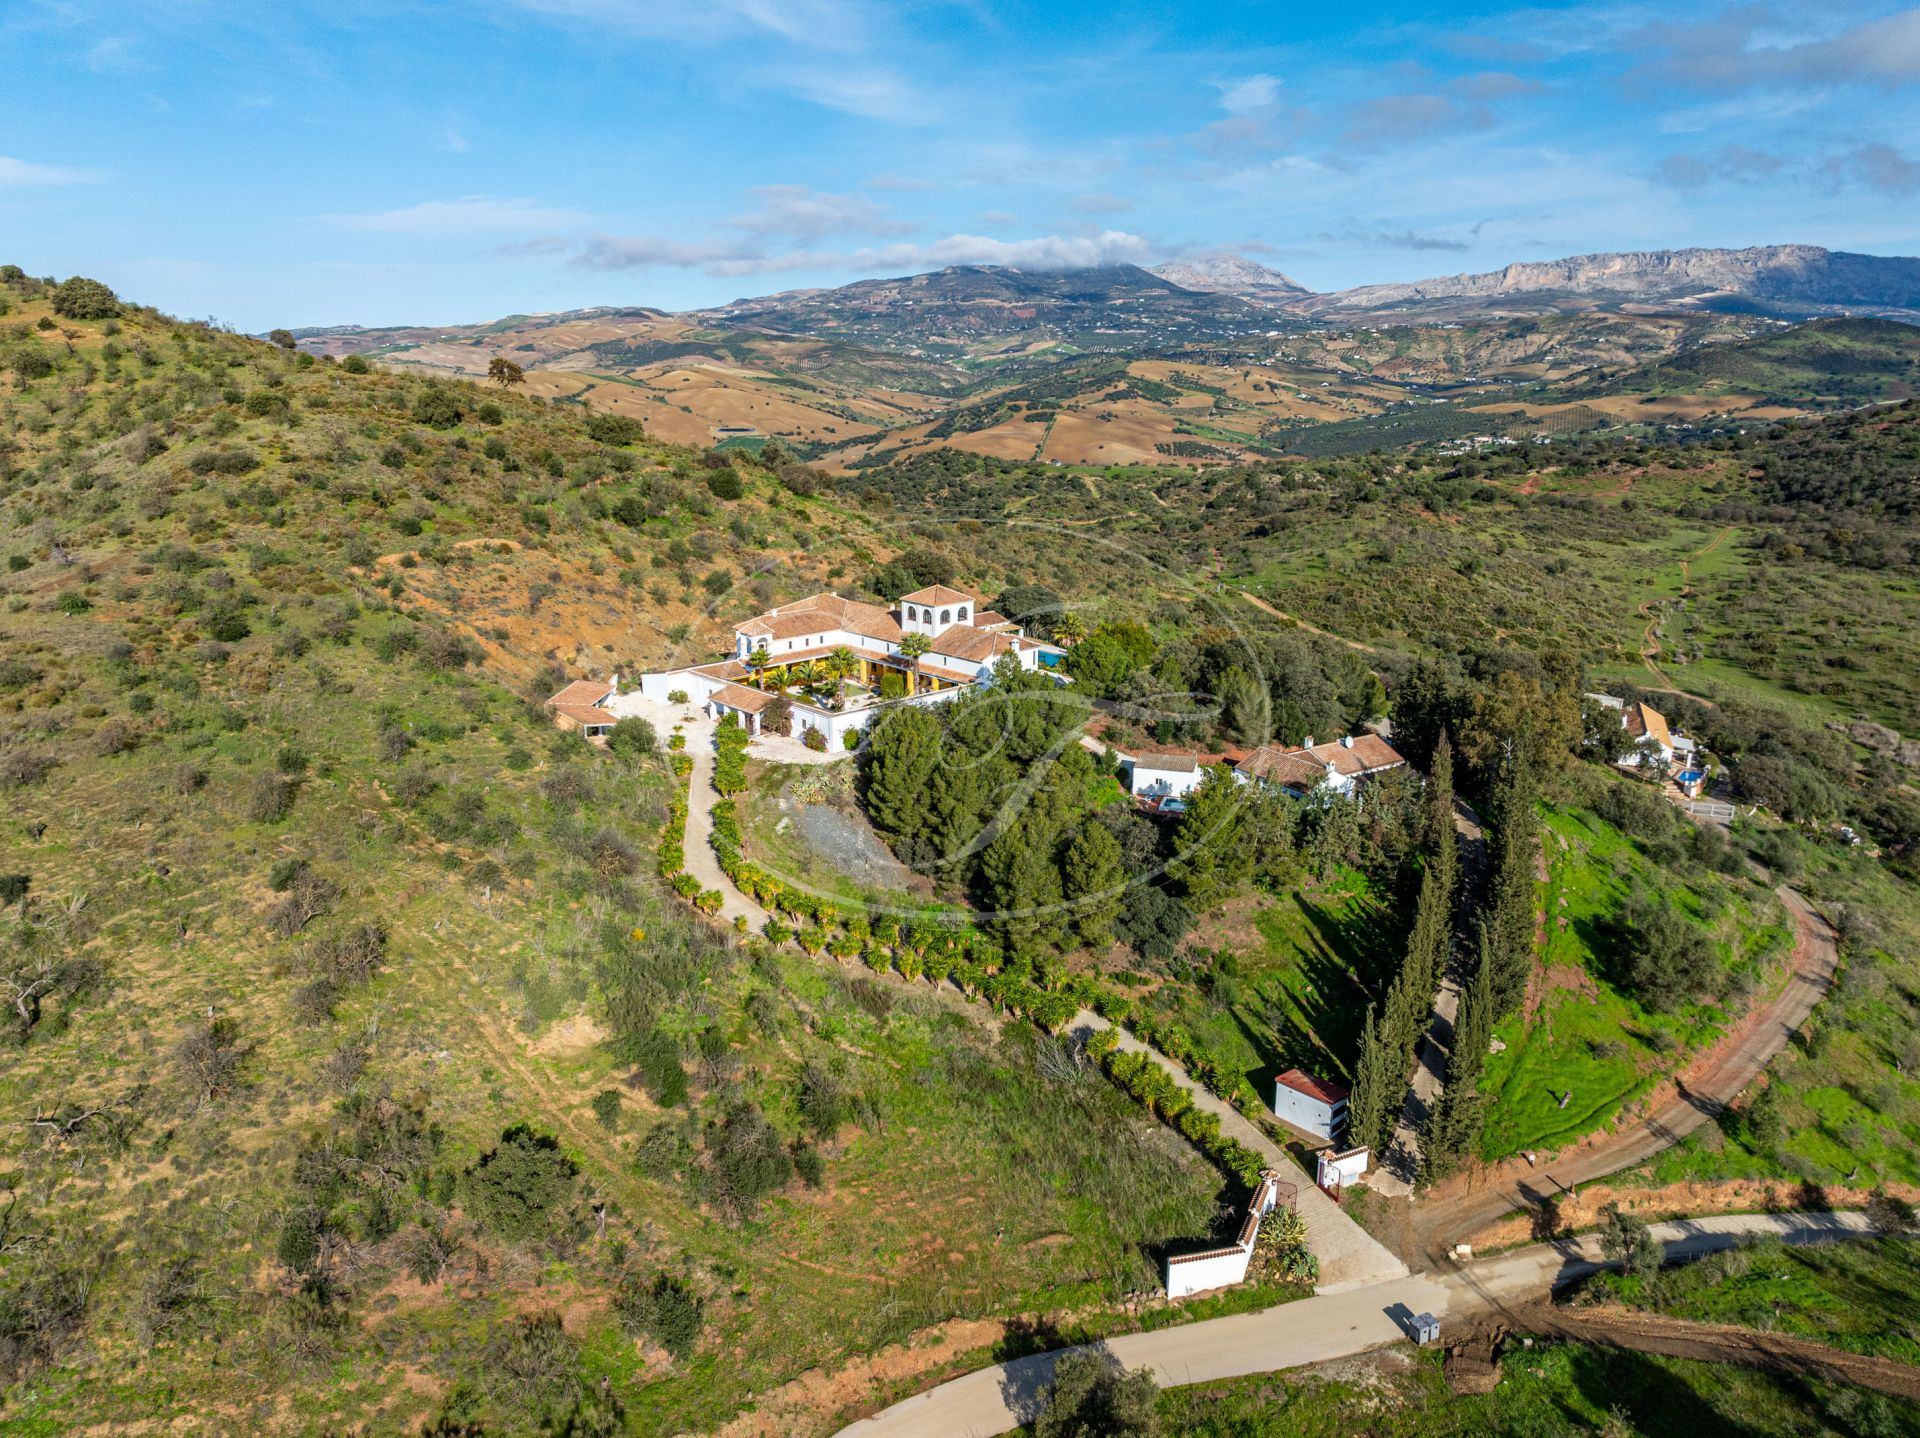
[[1314, 1330]]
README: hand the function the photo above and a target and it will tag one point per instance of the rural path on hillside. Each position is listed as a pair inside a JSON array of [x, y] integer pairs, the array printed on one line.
[[1463, 1206], [1314, 1330], [1400, 1164], [1350, 1257], [1649, 641], [1258, 603]]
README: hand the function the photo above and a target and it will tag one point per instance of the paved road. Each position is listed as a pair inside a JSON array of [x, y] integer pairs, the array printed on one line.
[[1712, 1082], [1315, 1330], [1350, 1257]]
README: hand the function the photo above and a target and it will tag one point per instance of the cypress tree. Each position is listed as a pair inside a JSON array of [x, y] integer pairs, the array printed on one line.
[[1453, 1126], [1378, 1086], [1514, 845]]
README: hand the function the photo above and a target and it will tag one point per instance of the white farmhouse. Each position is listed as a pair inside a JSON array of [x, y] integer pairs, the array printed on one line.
[[1162, 780], [1313, 1105], [838, 661], [1342, 764]]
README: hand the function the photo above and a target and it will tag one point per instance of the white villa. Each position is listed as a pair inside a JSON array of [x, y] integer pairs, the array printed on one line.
[[1164, 780], [1342, 764], [838, 660], [1654, 743]]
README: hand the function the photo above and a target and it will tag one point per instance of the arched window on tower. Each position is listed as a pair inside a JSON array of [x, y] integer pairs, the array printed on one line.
[[946, 616]]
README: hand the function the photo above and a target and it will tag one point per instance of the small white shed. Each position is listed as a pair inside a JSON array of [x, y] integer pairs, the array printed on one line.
[[1313, 1105]]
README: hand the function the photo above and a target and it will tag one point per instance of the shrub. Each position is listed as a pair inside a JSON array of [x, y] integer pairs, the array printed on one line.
[[355, 364], [664, 1309], [437, 407], [270, 797], [514, 1188], [21, 767], [850, 740], [677, 696], [633, 738], [726, 484], [606, 1107], [80, 298], [815, 739], [617, 429], [748, 1159], [531, 1369]]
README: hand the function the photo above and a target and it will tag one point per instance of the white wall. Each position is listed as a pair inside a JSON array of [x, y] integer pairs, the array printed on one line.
[[1176, 782], [1302, 1111], [658, 686], [1199, 1274], [1339, 1170]]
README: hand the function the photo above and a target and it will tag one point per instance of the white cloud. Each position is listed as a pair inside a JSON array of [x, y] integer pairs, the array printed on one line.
[[869, 93], [820, 24], [1255, 95], [719, 258], [473, 215], [807, 214], [1100, 203], [20, 174]]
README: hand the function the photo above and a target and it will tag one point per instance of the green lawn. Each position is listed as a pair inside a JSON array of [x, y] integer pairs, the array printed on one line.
[[1298, 998], [1591, 1040]]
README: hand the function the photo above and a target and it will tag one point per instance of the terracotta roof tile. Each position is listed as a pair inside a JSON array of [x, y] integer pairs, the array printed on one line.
[[582, 691], [1326, 1090], [939, 594]]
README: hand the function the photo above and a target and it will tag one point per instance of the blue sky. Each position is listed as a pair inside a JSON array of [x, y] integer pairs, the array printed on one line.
[[280, 162]]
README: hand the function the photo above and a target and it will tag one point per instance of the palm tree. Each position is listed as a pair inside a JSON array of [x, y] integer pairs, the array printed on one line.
[[913, 648], [1069, 629], [843, 663], [805, 672], [757, 662]]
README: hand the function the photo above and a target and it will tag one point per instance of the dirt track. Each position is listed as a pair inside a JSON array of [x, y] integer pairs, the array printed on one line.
[[1716, 1343], [1456, 1211]]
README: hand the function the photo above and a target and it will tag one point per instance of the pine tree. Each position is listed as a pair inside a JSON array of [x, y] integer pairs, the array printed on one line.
[[1095, 879], [902, 757], [1210, 861], [1443, 843]]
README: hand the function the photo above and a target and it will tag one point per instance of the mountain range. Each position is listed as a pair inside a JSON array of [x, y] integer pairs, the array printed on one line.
[[1216, 357]]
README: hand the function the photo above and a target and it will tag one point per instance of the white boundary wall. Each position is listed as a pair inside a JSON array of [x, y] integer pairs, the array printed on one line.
[[1218, 1267]]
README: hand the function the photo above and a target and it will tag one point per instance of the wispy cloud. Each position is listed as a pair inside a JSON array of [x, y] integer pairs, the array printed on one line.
[[1041, 252], [806, 214], [819, 24], [1100, 203], [1359, 237], [1254, 95], [473, 215], [1745, 46], [1876, 167], [22, 174], [1737, 163]]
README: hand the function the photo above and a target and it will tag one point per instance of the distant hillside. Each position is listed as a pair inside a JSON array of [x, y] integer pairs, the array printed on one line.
[[966, 308], [1850, 359], [1792, 279], [1229, 274]]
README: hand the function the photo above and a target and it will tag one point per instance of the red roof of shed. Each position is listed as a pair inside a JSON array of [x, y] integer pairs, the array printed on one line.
[[1326, 1090]]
